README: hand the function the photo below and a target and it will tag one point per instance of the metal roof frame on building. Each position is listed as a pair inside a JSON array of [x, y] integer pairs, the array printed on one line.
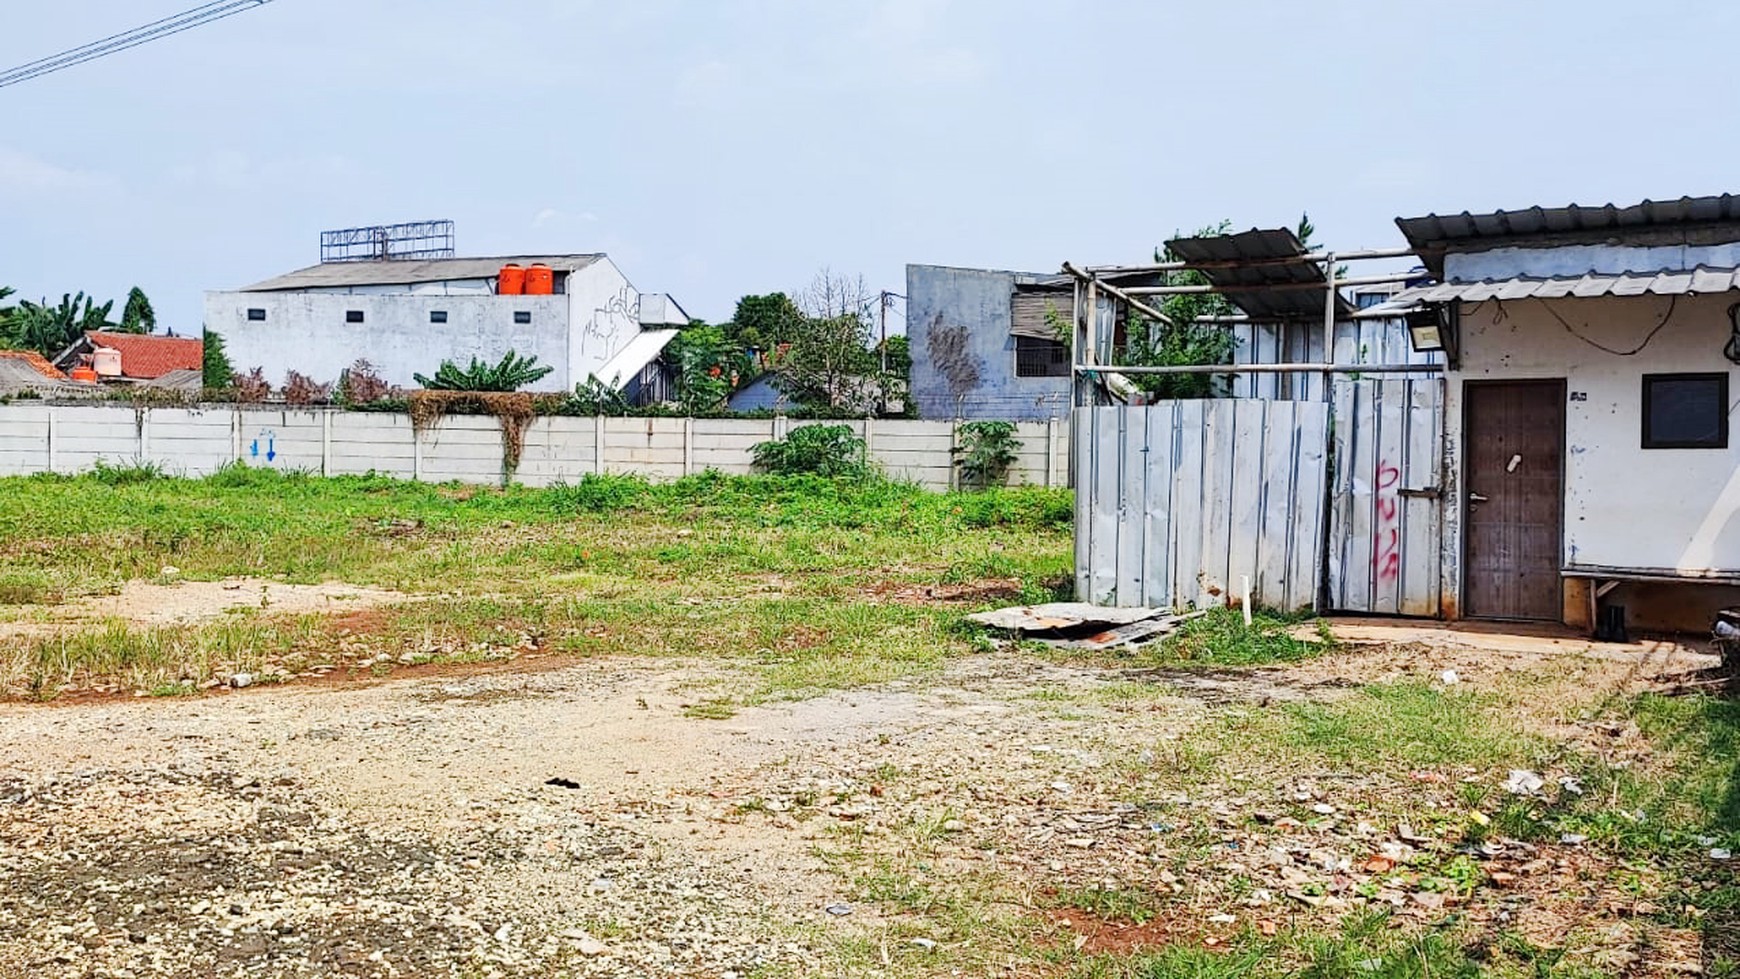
[[1698, 281], [340, 275], [1251, 268], [1432, 234]]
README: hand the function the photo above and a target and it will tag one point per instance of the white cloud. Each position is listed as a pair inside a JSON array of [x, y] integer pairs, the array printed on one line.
[[23, 175]]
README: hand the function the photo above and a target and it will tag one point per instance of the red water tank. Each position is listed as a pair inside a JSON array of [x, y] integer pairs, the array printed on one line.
[[540, 280], [511, 281]]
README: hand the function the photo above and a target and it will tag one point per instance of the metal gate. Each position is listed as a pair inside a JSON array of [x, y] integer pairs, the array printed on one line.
[[1178, 502], [1387, 510]]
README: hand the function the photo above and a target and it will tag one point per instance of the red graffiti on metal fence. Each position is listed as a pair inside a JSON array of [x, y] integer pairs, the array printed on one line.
[[1386, 550]]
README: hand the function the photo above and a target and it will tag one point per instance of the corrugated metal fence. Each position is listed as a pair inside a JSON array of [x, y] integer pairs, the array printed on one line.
[[1177, 502], [1384, 521]]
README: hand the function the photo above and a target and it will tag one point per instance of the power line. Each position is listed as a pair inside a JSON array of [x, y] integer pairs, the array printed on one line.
[[116, 43]]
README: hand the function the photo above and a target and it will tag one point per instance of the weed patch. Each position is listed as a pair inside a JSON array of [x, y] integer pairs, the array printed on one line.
[[1221, 638]]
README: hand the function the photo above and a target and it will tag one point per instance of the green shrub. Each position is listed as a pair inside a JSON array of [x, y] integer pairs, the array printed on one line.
[[511, 374], [598, 493], [985, 452], [821, 450], [112, 474]]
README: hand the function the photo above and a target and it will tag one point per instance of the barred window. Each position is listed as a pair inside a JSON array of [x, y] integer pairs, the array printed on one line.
[[1040, 358]]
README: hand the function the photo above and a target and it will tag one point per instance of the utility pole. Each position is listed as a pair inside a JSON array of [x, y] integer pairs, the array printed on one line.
[[884, 303]]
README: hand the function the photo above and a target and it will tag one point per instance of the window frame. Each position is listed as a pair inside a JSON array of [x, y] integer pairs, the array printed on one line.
[[522, 317], [1051, 366], [354, 316], [256, 314], [1648, 413], [438, 316]]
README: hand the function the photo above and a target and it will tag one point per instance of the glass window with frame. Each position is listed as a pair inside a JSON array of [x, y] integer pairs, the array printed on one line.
[[1685, 411]]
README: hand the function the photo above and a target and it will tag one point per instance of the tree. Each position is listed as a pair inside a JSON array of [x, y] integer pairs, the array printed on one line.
[[48, 330], [218, 372], [511, 374], [137, 316], [764, 322], [1184, 341], [6, 314], [707, 365], [830, 363]]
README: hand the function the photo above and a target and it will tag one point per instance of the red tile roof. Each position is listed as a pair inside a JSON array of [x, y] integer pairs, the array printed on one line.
[[35, 362], [146, 358]]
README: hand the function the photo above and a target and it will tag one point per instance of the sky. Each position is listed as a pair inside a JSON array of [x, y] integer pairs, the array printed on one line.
[[716, 149]]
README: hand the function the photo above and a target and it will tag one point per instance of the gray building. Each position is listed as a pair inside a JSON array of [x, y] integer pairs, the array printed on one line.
[[406, 316], [986, 345]]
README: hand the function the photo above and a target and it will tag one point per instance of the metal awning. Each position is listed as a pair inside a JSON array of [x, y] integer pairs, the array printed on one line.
[[643, 349], [1683, 282], [1281, 282]]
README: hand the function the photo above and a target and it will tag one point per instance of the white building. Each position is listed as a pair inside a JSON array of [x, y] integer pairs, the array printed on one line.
[[1587, 414], [406, 316]]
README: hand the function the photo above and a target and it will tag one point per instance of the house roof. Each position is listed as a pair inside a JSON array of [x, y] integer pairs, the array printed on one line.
[[146, 356], [184, 379], [23, 370], [34, 362], [340, 275], [1678, 283], [1433, 234]]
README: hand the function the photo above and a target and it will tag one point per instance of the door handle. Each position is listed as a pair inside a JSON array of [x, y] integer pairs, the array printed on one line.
[[1476, 498]]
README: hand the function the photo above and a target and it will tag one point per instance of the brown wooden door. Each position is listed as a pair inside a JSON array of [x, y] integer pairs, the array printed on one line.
[[1514, 433]]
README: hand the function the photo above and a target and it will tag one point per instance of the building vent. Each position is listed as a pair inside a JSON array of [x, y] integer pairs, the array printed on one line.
[[256, 315], [438, 316], [353, 316], [523, 316]]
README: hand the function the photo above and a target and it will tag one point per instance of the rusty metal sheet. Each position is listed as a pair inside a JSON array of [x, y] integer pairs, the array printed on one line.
[[1061, 615]]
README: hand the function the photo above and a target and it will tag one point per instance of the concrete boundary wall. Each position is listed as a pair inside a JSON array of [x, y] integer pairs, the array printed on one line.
[[37, 438]]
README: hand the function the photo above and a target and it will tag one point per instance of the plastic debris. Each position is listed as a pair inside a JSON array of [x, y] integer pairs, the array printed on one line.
[[838, 910], [1523, 782], [1721, 853], [1450, 678]]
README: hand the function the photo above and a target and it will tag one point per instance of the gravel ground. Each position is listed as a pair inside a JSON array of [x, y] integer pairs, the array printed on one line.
[[573, 822], [411, 828]]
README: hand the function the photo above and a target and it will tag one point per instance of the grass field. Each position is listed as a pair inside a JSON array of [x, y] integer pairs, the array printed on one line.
[[803, 577]]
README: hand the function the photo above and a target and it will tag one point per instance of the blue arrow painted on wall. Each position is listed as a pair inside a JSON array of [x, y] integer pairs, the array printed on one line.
[[254, 448], [271, 448]]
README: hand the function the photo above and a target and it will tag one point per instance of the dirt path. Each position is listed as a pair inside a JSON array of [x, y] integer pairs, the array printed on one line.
[[145, 603], [411, 828]]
